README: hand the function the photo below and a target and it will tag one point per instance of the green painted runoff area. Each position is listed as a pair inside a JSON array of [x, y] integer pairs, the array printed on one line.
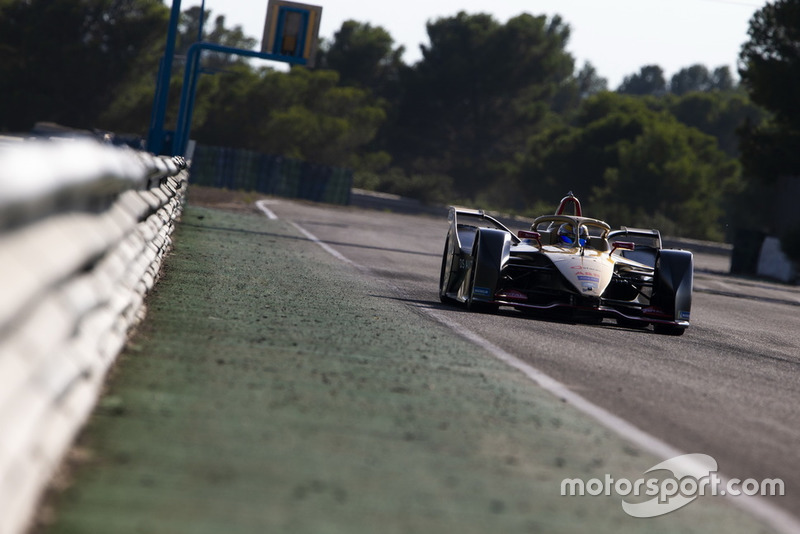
[[273, 388]]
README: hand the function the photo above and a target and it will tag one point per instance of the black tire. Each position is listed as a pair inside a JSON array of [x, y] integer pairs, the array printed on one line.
[[668, 329], [443, 278], [592, 320], [635, 325]]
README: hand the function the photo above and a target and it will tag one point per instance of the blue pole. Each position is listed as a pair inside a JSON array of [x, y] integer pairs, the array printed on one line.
[[155, 139], [189, 85], [196, 71], [189, 76]]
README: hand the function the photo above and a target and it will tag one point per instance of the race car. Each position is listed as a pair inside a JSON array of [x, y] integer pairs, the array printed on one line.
[[567, 264]]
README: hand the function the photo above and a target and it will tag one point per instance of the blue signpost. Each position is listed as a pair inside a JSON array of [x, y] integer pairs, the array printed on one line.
[[155, 138], [290, 35]]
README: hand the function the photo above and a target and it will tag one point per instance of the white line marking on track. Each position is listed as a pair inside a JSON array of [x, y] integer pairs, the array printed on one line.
[[645, 440], [772, 515], [262, 205], [777, 518], [335, 253]]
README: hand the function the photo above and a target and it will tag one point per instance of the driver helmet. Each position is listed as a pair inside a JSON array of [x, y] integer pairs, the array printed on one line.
[[567, 236]]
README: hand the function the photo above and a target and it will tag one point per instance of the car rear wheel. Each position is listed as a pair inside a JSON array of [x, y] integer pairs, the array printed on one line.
[[637, 325], [669, 329], [443, 275]]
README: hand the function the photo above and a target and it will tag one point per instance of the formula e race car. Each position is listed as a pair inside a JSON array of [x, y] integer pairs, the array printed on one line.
[[567, 264]]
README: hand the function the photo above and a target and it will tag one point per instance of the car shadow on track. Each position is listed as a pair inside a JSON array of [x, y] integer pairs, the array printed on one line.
[[591, 322]]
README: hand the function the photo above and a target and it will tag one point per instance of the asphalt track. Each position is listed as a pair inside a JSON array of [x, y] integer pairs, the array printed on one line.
[[727, 388]]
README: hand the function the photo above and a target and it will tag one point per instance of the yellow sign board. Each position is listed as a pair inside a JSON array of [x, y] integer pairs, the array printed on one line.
[[292, 30]]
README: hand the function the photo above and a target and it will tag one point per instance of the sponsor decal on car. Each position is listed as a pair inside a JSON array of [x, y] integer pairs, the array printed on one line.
[[584, 268], [588, 278], [685, 315], [482, 291], [513, 294], [657, 312]]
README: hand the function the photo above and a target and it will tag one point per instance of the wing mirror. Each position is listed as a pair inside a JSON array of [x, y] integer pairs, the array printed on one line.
[[525, 234], [622, 245]]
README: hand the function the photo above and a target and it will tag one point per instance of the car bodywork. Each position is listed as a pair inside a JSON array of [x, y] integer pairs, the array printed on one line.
[[623, 274]]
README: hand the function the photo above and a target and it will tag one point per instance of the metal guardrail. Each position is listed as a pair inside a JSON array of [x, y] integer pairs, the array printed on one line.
[[83, 229]]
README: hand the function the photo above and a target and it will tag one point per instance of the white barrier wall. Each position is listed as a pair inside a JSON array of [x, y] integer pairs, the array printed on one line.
[[83, 229], [773, 263]]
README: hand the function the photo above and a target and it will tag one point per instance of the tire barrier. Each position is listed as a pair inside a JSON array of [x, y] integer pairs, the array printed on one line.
[[273, 175], [83, 230]]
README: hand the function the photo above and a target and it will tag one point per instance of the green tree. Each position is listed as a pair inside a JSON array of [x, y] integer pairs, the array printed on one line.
[[302, 114], [634, 165], [188, 31], [479, 91], [671, 177], [722, 79], [699, 78], [769, 67], [590, 82], [717, 113], [65, 61], [364, 56], [575, 156], [131, 107], [694, 78], [648, 81]]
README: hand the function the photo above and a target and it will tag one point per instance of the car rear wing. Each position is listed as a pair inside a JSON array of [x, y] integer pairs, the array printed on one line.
[[638, 236], [466, 221], [646, 242], [476, 218]]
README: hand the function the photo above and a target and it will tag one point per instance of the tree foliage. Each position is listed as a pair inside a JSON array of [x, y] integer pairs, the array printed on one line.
[[589, 81], [648, 81], [64, 61], [698, 78], [303, 114], [717, 113], [635, 166], [671, 177], [494, 113], [189, 31], [479, 91], [364, 56], [769, 66]]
